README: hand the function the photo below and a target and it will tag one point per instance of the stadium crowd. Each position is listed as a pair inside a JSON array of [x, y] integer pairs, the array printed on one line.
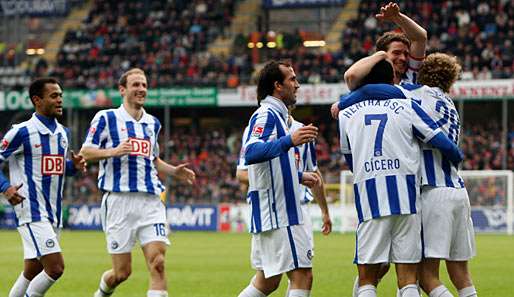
[[168, 40]]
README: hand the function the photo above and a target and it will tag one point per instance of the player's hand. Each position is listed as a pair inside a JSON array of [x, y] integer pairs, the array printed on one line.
[[334, 110], [123, 149], [326, 228], [184, 174], [389, 12], [12, 195], [310, 179], [304, 134], [79, 162]]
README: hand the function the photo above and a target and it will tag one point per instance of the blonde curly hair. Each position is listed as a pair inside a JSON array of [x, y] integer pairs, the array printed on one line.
[[439, 70]]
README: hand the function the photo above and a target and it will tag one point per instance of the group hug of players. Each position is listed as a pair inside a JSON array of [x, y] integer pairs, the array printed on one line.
[[399, 132]]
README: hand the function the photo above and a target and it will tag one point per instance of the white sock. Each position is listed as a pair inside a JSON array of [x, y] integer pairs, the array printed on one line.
[[468, 292], [103, 289], [39, 285], [410, 291], [251, 291], [367, 291], [355, 291], [156, 293], [440, 291], [20, 286], [299, 293]]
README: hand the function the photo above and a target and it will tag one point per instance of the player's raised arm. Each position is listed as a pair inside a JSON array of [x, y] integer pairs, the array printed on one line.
[[354, 75], [416, 34]]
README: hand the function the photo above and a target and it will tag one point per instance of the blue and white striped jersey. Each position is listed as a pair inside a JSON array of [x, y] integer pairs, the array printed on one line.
[[411, 76], [305, 156], [241, 163], [274, 187], [386, 154], [437, 170], [37, 159], [135, 172]]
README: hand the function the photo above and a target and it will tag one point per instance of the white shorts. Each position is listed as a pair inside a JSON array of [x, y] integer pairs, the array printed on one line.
[[281, 250], [391, 239], [127, 217], [39, 239], [447, 226]]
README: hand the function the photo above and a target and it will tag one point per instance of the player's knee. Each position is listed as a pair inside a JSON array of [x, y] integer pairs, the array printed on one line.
[[121, 275], [308, 278], [55, 271], [157, 263]]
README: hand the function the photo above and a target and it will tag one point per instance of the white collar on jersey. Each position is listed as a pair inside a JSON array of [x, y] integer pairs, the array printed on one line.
[[44, 129], [127, 117], [278, 105]]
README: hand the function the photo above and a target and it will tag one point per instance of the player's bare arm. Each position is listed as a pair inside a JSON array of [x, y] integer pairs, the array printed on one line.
[[12, 195], [97, 154], [180, 172], [320, 197], [304, 134], [354, 75], [242, 176], [416, 34]]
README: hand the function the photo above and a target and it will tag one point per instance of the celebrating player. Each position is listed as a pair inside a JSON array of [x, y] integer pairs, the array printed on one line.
[[280, 244], [385, 162], [406, 50], [36, 150], [124, 140]]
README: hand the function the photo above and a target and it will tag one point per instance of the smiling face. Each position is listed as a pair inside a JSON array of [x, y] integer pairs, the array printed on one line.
[[50, 104], [135, 90], [398, 54], [286, 90]]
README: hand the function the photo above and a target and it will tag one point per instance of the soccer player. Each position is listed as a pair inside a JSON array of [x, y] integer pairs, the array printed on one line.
[[124, 140], [385, 162], [447, 227], [36, 150], [406, 50], [280, 244]]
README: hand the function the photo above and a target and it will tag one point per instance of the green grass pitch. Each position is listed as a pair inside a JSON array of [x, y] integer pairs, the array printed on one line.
[[217, 265]]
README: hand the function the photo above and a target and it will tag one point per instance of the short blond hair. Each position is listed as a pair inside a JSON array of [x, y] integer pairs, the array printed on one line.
[[439, 70], [123, 79]]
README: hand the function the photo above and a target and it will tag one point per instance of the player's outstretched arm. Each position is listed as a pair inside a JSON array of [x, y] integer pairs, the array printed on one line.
[[356, 73], [180, 172], [320, 197], [96, 154], [416, 34]]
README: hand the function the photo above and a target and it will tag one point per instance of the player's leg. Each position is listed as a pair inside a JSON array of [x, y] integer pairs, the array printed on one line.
[[406, 252], [120, 272], [463, 247], [300, 282], [429, 278], [31, 268], [155, 254], [461, 278], [53, 268], [368, 275]]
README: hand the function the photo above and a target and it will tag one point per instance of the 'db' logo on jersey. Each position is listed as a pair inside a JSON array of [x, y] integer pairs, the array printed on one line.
[[52, 165], [257, 131], [140, 147]]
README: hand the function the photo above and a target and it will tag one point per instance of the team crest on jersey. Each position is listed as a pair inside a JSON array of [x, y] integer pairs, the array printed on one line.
[[52, 165], [50, 243], [140, 147], [5, 144], [92, 130], [64, 143], [297, 159], [149, 131], [257, 131]]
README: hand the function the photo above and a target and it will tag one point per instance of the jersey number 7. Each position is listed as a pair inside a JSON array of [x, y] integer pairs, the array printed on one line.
[[382, 118]]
